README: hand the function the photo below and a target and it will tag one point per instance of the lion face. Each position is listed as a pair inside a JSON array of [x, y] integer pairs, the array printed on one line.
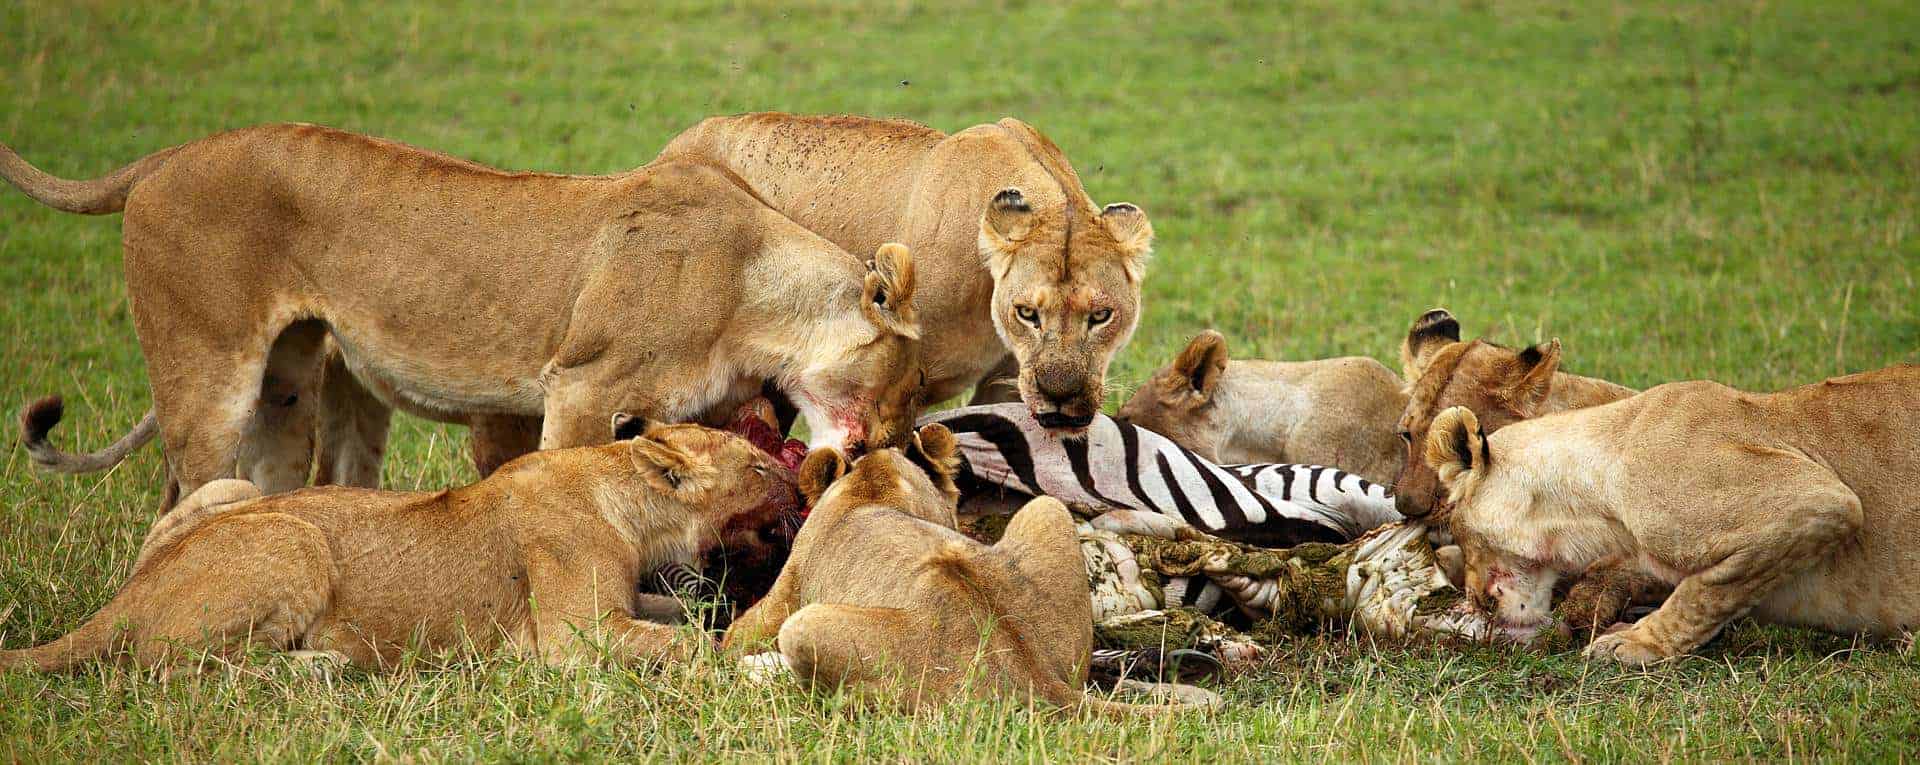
[[1066, 297], [1516, 589], [1178, 400], [1500, 385], [739, 490]]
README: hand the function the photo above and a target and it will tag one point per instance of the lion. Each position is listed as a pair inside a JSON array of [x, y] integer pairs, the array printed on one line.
[[1338, 412], [542, 558], [1020, 270], [882, 597], [457, 291], [1799, 507]]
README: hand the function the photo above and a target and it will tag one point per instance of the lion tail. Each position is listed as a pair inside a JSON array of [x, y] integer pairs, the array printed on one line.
[[99, 196], [37, 421], [95, 638]]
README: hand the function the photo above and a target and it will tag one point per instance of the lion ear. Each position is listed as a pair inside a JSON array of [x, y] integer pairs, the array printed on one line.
[[670, 469], [1130, 228], [819, 470], [935, 451], [1006, 222], [628, 426], [1538, 363], [1434, 330], [886, 295], [1202, 362], [1456, 447]]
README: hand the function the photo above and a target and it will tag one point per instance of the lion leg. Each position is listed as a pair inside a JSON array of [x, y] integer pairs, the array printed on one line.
[[1808, 531], [1604, 592], [351, 429], [997, 386], [497, 439], [276, 451], [257, 578], [870, 652], [760, 625], [580, 404], [579, 604]]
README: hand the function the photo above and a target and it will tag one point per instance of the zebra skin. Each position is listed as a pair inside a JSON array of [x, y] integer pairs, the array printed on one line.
[[1115, 464]]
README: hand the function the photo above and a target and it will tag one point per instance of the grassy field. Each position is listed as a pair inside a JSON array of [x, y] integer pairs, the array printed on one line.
[[1717, 190]]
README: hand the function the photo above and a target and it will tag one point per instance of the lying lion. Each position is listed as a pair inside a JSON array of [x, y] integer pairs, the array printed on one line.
[[1799, 507], [882, 596], [1337, 411], [541, 557], [456, 291]]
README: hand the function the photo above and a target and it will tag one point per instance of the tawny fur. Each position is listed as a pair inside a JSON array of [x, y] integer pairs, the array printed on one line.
[[1500, 384], [1339, 412], [456, 291], [998, 222], [1800, 507], [883, 598], [542, 557]]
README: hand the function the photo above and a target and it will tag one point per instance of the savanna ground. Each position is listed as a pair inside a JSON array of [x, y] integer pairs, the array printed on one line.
[[1703, 190]]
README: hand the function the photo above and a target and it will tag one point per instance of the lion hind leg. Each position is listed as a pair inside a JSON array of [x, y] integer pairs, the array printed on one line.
[[350, 429], [276, 449], [206, 503], [879, 653], [248, 579]]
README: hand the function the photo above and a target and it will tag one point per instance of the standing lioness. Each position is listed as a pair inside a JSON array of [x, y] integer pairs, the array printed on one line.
[[455, 290], [542, 556], [1014, 257], [1802, 506]]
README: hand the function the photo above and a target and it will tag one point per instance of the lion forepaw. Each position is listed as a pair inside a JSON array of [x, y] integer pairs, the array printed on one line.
[[1630, 647]]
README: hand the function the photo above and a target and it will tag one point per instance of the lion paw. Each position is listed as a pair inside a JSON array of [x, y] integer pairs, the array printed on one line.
[[1629, 646]]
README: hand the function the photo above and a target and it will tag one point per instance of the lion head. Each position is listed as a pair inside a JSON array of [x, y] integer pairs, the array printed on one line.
[[1498, 384], [1066, 285], [917, 478]]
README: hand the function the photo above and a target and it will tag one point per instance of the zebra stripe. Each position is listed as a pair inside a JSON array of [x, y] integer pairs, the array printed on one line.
[[1116, 464]]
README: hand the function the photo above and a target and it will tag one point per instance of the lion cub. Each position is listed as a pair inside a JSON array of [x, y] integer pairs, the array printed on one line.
[[542, 556], [883, 596], [1800, 507], [1336, 412]]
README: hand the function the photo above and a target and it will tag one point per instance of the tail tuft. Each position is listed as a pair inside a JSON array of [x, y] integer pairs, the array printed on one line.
[[38, 419]]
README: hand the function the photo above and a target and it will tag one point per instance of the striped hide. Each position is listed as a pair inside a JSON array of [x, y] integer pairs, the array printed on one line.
[[1114, 464]]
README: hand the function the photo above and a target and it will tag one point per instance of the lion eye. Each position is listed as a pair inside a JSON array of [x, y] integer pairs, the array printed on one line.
[[1027, 314], [1099, 317], [1406, 436]]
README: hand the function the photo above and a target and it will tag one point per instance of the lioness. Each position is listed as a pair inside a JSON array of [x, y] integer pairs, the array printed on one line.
[[454, 289], [882, 596], [1500, 384], [1802, 507], [542, 556], [1007, 240], [1338, 412]]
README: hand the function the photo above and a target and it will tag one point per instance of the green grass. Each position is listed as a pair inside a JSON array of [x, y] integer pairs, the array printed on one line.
[[1679, 191]]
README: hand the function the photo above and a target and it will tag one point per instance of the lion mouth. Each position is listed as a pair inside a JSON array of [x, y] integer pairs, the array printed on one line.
[[1063, 421]]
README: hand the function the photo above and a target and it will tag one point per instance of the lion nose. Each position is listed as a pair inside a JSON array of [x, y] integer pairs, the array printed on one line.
[[1060, 390], [1408, 507]]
